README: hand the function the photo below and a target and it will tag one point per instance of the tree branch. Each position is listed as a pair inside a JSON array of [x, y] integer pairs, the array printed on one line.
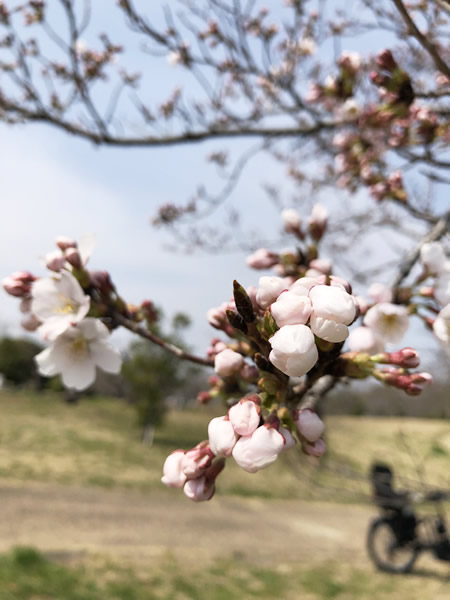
[[148, 335], [422, 39], [439, 230]]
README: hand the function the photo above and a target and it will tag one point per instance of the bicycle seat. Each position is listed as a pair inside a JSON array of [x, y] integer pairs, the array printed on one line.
[[437, 496]]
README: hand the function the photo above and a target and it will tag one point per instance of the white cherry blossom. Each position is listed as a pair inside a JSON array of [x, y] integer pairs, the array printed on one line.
[[432, 256], [294, 351], [441, 326], [259, 450], [58, 302], [77, 352], [442, 287], [389, 322], [333, 309], [363, 339]]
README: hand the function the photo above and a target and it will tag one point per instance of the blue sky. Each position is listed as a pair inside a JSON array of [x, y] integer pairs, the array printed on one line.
[[54, 184]]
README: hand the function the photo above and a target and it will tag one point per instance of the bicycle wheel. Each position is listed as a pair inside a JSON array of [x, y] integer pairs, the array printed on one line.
[[387, 552]]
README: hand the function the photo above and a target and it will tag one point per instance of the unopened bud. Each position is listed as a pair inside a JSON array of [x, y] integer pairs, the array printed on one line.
[[243, 302], [18, 284], [197, 460], [309, 424], [385, 60], [64, 243], [73, 258], [54, 261], [102, 281], [316, 449]]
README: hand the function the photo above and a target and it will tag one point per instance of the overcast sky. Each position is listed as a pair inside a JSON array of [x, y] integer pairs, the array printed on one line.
[[54, 184]]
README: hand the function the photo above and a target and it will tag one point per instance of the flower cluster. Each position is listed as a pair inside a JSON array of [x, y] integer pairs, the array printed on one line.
[[289, 332], [60, 309], [248, 433]]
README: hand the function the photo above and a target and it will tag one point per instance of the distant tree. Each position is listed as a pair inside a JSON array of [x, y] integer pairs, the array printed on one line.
[[153, 376], [17, 361]]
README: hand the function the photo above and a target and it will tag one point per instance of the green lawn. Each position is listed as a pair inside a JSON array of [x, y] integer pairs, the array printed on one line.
[[98, 443], [25, 574]]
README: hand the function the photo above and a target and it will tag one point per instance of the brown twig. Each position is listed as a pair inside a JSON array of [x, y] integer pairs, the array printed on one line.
[[421, 38], [148, 335]]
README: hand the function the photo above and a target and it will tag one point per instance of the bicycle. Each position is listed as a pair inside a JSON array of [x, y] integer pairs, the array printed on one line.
[[398, 536]]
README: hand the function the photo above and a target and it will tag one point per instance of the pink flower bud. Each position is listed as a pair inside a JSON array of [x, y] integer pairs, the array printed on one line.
[[102, 281], [291, 220], [294, 351], [222, 436], [407, 358], [217, 317], [73, 258], [291, 309], [289, 440], [350, 61], [199, 490], [244, 416], [197, 460], [318, 221], [173, 473], [259, 450], [203, 488], [309, 424], [269, 289], [54, 261], [262, 259], [204, 397], [228, 362], [249, 372], [316, 449], [432, 256], [18, 284], [64, 243], [385, 60]]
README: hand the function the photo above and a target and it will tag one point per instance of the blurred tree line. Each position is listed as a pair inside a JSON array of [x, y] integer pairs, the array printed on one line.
[[152, 380]]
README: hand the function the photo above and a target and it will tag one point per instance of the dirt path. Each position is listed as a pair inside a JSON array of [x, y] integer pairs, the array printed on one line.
[[131, 524]]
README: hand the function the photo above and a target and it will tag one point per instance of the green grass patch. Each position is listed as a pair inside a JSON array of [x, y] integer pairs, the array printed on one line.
[[26, 574], [97, 443]]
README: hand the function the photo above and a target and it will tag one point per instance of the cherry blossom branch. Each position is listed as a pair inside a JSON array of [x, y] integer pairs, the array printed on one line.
[[422, 39], [315, 394], [436, 233], [148, 335]]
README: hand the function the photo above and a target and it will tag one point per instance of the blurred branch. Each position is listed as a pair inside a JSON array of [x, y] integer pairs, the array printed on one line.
[[421, 38], [148, 335], [439, 230]]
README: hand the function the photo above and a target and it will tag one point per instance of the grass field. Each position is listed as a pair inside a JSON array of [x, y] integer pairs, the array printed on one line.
[[96, 445]]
